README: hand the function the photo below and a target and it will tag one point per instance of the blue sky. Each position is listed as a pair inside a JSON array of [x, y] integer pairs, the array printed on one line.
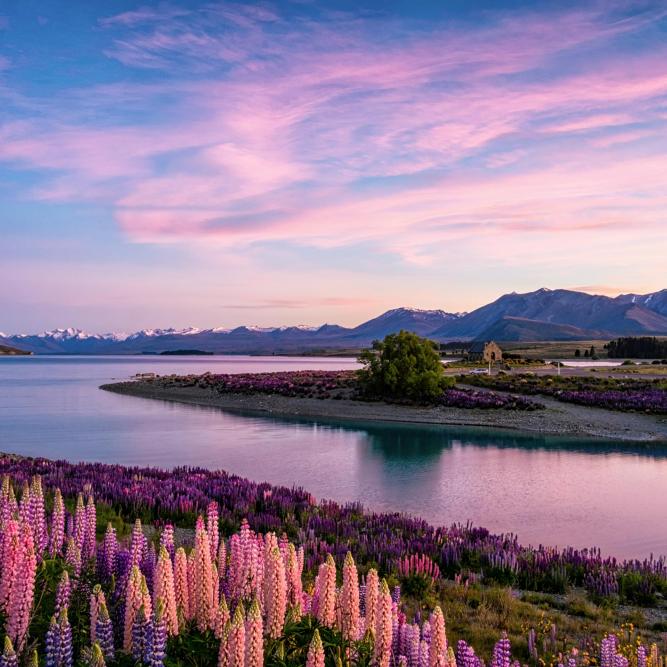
[[211, 164]]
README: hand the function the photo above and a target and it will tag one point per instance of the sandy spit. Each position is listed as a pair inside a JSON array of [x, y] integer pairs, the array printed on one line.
[[556, 419]]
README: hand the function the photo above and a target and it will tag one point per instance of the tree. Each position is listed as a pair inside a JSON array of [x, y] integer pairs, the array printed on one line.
[[577, 352], [403, 366]]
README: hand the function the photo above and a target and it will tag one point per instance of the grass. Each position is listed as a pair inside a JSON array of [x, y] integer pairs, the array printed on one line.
[[555, 349], [479, 614]]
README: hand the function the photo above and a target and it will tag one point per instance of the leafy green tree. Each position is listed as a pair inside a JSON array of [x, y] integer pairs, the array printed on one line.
[[577, 352], [403, 366]]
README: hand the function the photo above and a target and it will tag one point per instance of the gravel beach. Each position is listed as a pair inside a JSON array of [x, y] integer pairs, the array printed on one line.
[[556, 419]]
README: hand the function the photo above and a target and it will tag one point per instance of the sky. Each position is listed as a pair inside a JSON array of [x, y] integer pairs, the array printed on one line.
[[225, 163]]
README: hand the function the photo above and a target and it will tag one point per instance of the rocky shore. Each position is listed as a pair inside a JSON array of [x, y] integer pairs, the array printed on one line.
[[556, 419]]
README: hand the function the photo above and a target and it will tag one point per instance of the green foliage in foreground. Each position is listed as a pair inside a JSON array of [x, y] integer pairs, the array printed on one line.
[[403, 366]]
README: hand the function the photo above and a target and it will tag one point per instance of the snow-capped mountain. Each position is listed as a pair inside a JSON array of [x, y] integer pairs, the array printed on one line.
[[540, 315]]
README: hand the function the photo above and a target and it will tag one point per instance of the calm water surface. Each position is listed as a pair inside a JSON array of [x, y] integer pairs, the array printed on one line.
[[545, 490]]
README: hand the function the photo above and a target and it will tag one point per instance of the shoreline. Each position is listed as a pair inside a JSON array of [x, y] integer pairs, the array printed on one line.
[[557, 419]]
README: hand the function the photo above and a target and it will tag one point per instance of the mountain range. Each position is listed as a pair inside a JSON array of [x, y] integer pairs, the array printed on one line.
[[534, 316]]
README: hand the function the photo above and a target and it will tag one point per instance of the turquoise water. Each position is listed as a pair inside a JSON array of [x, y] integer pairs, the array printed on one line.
[[546, 490]]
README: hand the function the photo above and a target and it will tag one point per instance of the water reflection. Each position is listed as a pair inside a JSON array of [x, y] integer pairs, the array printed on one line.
[[552, 490]]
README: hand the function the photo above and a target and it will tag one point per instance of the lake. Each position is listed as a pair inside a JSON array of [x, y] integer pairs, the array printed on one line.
[[547, 490]]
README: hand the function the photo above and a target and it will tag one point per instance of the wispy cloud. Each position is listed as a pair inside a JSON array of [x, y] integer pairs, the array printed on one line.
[[329, 130]]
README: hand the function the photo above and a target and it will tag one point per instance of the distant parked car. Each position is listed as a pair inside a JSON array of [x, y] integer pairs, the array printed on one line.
[[479, 371]]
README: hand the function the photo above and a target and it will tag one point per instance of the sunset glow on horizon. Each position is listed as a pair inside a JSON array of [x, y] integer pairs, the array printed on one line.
[[218, 164]]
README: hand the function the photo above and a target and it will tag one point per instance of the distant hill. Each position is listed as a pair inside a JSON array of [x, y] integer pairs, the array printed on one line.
[[592, 315], [534, 316], [510, 329], [12, 351]]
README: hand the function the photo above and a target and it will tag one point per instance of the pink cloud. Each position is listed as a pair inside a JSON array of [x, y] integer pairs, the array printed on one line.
[[460, 139]]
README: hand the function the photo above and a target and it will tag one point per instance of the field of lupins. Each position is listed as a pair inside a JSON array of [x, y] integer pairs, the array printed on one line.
[[330, 385], [636, 395], [322, 528], [67, 597]]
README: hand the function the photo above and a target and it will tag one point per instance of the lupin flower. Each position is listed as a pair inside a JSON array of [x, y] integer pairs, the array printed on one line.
[[502, 653], [52, 642], [222, 559], [438, 646], [254, 641], [326, 590], [294, 585], [213, 528], [372, 597], [104, 632], [203, 597], [223, 650], [11, 552], [8, 658], [96, 600], [275, 593], [167, 540], [315, 651], [109, 552], [73, 557], [66, 649], [79, 522], [349, 600], [236, 640], [141, 639], [57, 536], [137, 543], [222, 617], [89, 546], [181, 584], [38, 515], [158, 636], [96, 656], [24, 503], [19, 606], [63, 592], [133, 602], [383, 628], [163, 588]]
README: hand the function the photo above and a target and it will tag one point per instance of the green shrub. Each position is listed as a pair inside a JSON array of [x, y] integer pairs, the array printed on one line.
[[403, 366]]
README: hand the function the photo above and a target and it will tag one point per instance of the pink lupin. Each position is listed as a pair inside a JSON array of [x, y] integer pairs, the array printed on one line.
[[326, 593], [236, 640], [254, 642], [38, 515], [294, 586], [22, 591], [9, 558], [205, 604], [349, 600], [133, 602], [275, 593], [372, 596], [57, 534], [438, 647], [5, 507], [163, 588], [213, 528], [181, 588], [315, 651], [383, 628], [222, 617]]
